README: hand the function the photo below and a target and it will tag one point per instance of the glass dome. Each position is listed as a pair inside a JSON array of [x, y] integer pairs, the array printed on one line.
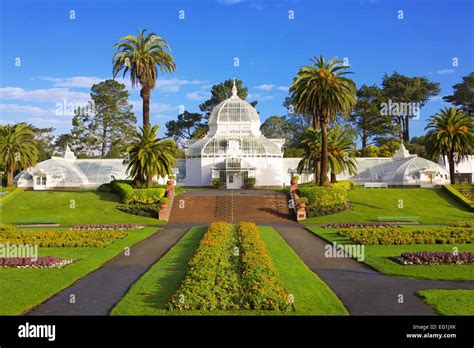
[[234, 110]]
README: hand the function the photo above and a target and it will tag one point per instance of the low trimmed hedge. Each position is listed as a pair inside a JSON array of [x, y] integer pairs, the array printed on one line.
[[147, 210], [13, 192], [128, 194], [398, 236], [346, 185], [323, 200], [459, 196]]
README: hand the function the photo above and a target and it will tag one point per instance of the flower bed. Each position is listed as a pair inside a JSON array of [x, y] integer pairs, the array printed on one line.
[[212, 279], [68, 239], [262, 285], [39, 262], [390, 236], [357, 224], [106, 227], [231, 270], [463, 223], [434, 258]]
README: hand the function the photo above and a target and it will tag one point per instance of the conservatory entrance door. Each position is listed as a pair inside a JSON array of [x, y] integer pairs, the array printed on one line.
[[234, 181]]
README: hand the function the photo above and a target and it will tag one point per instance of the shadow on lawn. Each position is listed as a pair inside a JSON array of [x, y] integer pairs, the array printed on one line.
[[451, 201]]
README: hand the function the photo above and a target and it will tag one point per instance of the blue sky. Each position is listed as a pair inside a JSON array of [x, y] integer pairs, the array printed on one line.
[[60, 57]]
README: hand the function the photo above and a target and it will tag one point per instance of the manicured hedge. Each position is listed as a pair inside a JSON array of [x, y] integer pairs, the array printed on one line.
[[344, 184], [128, 194], [212, 279], [459, 196], [148, 210], [323, 200], [68, 238], [390, 236], [262, 285], [13, 192]]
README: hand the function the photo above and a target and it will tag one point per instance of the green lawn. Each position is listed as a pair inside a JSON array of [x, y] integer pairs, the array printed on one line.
[[149, 295], [377, 257], [450, 302], [431, 206], [21, 289], [67, 208]]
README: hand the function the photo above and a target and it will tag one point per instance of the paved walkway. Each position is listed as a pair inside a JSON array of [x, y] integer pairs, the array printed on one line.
[[98, 292], [363, 290]]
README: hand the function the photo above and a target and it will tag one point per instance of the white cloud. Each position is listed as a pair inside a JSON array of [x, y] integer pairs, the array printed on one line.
[[283, 88], [12, 110], [445, 71], [197, 96], [154, 107], [436, 98], [259, 97], [74, 81], [265, 87], [55, 95], [174, 85]]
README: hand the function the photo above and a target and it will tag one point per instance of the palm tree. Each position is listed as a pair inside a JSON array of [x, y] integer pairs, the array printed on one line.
[[149, 156], [310, 143], [450, 135], [140, 56], [321, 90], [341, 153], [17, 148]]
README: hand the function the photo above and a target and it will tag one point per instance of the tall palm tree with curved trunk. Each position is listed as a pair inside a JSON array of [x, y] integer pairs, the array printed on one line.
[[142, 56], [450, 134], [149, 156], [322, 91], [341, 152], [17, 148]]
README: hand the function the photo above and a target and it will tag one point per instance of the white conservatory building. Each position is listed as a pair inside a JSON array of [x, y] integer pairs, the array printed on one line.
[[68, 172], [235, 149]]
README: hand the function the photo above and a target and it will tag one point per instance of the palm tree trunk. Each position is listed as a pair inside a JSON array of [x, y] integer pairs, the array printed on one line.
[[451, 166], [317, 171], [149, 180], [333, 177], [323, 179], [10, 176], [145, 94]]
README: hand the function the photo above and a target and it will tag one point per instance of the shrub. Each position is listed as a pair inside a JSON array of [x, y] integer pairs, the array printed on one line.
[[459, 196], [104, 188], [39, 262], [147, 210], [128, 194], [323, 200], [434, 258], [390, 236], [68, 238], [262, 286], [216, 182], [12, 192], [212, 279], [346, 185], [249, 183]]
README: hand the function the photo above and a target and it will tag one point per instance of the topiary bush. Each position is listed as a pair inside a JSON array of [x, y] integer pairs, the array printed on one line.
[[147, 210], [323, 200], [129, 195], [346, 185], [104, 188]]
